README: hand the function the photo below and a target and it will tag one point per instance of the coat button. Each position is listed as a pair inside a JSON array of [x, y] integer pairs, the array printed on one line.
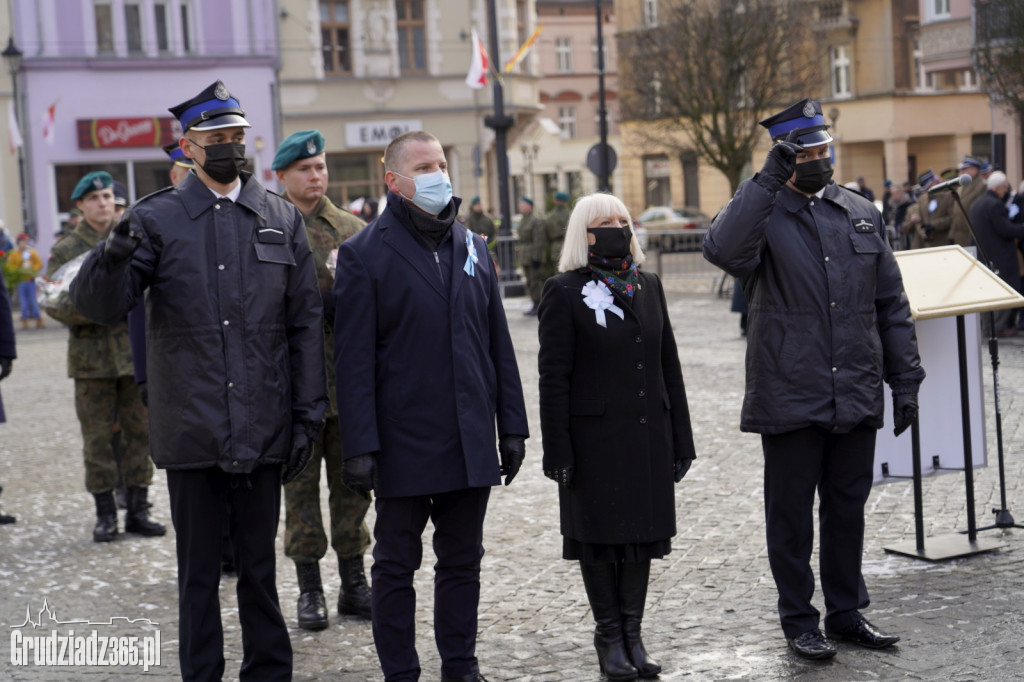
[[833, 304], [640, 364], [641, 393], [826, 259], [231, 384], [235, 463], [217, 206], [226, 323], [643, 420], [220, 267], [638, 338], [835, 369]]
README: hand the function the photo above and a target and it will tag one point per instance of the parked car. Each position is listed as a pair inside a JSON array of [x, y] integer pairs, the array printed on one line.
[[673, 222]]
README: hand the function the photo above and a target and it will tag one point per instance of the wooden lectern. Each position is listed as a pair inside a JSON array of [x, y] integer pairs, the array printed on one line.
[[947, 281]]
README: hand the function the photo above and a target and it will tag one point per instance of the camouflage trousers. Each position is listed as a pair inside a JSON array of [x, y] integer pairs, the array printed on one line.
[[534, 282], [304, 537], [99, 404]]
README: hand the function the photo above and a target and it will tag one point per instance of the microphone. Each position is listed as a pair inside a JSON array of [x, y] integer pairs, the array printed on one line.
[[955, 183]]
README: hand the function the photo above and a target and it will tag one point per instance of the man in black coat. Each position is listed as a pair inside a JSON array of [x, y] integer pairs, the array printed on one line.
[[828, 322], [425, 367], [235, 371], [7, 356], [996, 233]]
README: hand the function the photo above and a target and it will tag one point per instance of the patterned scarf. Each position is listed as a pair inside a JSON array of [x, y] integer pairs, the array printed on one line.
[[618, 273]]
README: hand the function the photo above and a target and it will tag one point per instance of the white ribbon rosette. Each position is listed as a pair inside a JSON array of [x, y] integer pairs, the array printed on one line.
[[598, 297], [472, 258]]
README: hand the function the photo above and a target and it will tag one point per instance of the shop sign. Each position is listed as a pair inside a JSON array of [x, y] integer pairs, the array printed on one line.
[[107, 133], [377, 133]]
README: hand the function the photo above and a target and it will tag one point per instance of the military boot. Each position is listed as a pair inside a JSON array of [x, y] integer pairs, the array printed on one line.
[[354, 599], [312, 607], [137, 519], [106, 517]]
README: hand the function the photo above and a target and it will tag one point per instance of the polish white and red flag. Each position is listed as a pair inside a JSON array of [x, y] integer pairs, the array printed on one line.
[[477, 76], [14, 133], [50, 124]]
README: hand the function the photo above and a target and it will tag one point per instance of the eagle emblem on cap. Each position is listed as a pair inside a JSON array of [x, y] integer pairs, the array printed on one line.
[[808, 110], [311, 146], [221, 92], [97, 183]]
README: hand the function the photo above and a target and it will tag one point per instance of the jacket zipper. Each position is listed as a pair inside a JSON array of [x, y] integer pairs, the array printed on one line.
[[440, 272]]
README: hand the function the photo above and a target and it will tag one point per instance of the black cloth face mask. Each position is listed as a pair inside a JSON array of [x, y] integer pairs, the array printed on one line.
[[610, 242], [811, 176], [223, 161]]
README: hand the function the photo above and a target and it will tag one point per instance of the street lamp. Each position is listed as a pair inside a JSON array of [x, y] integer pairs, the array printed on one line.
[[12, 56]]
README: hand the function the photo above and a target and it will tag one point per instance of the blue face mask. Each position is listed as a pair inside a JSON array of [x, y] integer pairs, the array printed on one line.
[[433, 191]]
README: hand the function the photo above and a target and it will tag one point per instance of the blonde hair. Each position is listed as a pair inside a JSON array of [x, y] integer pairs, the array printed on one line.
[[588, 209]]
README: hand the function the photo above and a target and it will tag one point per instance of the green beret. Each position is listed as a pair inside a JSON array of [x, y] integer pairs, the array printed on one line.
[[527, 200], [300, 145], [561, 196], [476, 200], [91, 182]]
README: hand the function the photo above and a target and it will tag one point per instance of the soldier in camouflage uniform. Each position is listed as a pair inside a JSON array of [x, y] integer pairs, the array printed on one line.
[[99, 360], [554, 231], [533, 243], [479, 223], [302, 170]]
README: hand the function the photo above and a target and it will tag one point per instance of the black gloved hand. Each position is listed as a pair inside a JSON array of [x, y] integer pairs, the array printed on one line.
[[302, 450], [122, 240], [904, 411], [779, 165], [512, 450], [561, 476], [144, 393], [680, 467], [6, 364], [928, 230], [360, 473]]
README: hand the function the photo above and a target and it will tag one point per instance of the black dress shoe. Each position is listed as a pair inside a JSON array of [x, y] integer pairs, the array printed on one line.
[[472, 677], [813, 645], [865, 634]]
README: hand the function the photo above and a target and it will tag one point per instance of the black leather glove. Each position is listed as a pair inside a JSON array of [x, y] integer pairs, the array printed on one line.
[[360, 473], [5, 363], [779, 165], [680, 467], [561, 476], [144, 393], [512, 450], [904, 411], [122, 240], [302, 450], [928, 230]]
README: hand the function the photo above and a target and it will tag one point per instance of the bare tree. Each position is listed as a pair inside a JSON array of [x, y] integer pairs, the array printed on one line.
[[999, 52], [711, 69]]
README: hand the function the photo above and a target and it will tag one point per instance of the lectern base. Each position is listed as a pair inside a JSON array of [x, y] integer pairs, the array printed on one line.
[[942, 547]]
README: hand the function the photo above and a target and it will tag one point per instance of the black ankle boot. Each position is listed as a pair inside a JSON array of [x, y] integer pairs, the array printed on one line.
[[633, 579], [603, 593], [105, 529], [354, 599], [137, 518], [312, 607]]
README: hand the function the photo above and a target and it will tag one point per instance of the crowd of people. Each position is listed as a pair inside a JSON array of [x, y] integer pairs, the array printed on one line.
[[377, 352]]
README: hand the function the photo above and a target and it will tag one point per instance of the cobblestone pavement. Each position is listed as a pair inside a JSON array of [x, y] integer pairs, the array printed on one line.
[[711, 608]]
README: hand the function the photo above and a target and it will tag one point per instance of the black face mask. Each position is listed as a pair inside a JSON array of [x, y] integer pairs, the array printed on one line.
[[811, 176], [610, 242], [223, 161]]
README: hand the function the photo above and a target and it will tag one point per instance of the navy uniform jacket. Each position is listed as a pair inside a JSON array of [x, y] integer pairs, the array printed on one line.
[[424, 360], [233, 324], [828, 321]]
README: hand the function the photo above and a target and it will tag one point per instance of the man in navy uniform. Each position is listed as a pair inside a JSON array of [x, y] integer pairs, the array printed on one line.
[[180, 164], [234, 369], [425, 367], [828, 322]]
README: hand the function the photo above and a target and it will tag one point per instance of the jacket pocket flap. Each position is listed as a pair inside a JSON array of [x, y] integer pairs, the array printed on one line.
[[586, 406], [867, 243], [274, 253]]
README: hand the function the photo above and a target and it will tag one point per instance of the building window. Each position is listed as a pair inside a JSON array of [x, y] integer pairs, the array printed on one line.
[[939, 9], [650, 12], [840, 71], [334, 36], [563, 50], [133, 27], [412, 45], [163, 43], [186, 25], [104, 19], [567, 122], [353, 176], [920, 77]]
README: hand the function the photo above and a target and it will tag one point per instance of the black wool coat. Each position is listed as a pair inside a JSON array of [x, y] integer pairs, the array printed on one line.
[[613, 406]]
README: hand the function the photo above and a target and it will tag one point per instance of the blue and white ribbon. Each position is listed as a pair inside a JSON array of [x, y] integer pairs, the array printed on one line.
[[471, 259], [598, 297]]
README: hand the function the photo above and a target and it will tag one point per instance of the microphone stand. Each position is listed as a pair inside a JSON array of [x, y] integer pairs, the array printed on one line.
[[1004, 519]]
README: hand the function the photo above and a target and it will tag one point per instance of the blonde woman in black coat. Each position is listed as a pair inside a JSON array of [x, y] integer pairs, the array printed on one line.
[[615, 422]]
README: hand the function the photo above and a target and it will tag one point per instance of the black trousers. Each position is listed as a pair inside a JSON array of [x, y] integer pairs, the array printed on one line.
[[458, 519], [839, 466], [202, 501]]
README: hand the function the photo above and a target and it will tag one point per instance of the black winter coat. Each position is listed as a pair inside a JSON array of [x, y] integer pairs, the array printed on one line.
[[613, 406], [995, 230], [234, 331], [829, 319]]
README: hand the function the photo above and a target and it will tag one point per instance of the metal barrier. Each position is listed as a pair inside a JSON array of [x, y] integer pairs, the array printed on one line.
[[678, 254]]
